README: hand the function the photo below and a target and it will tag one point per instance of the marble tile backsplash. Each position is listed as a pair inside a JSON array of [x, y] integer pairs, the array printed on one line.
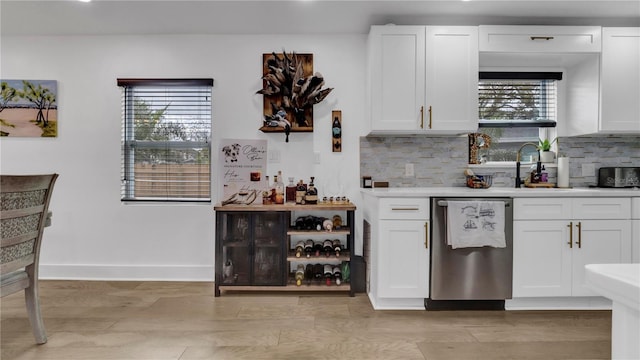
[[441, 160]]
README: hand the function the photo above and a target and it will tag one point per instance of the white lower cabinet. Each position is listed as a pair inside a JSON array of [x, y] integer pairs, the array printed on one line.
[[403, 259], [396, 246], [549, 255], [635, 230]]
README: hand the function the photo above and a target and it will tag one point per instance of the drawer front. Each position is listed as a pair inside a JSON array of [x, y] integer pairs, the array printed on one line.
[[540, 39], [635, 208], [404, 208], [601, 208], [541, 208]]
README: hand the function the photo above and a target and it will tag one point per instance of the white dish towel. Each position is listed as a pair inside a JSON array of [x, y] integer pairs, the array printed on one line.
[[475, 224]]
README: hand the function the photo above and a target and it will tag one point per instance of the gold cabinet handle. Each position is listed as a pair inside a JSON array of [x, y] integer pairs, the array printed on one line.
[[405, 209], [426, 235], [421, 117], [579, 226], [430, 116], [570, 226]]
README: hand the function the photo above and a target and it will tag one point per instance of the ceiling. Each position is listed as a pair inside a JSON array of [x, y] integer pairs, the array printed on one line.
[[29, 17]]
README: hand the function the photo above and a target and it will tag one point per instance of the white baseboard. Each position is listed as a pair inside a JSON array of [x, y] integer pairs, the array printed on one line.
[[126, 272]]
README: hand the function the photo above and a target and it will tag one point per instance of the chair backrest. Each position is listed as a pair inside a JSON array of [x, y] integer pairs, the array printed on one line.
[[24, 202]]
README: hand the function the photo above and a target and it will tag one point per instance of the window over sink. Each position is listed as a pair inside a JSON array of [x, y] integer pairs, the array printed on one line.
[[514, 107]]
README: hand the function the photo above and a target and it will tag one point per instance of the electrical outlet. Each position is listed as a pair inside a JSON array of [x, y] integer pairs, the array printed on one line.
[[316, 156], [408, 170], [589, 169]]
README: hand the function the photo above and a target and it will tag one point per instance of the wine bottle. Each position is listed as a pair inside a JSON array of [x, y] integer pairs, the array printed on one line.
[[299, 223], [328, 274], [337, 222], [308, 273], [318, 223], [327, 246], [309, 222], [308, 247], [317, 247], [299, 248], [327, 224], [312, 193], [299, 274], [318, 272], [337, 247], [301, 191], [337, 274]]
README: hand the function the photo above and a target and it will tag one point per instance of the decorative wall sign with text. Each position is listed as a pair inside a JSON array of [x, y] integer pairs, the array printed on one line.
[[242, 168]]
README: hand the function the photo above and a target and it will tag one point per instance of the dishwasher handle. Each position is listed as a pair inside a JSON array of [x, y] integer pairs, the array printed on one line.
[[444, 203]]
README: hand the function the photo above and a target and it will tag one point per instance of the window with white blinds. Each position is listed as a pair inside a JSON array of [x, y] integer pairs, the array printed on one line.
[[518, 99], [166, 139]]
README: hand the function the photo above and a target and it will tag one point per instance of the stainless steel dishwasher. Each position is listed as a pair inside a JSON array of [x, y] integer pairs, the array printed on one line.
[[473, 277]]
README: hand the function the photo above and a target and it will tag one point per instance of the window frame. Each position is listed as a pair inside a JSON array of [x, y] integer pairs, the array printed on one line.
[[129, 144]]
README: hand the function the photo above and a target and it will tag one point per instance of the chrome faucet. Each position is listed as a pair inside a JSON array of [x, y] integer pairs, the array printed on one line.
[[519, 181]]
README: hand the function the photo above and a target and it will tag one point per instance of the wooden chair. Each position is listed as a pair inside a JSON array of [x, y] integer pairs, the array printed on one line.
[[24, 204]]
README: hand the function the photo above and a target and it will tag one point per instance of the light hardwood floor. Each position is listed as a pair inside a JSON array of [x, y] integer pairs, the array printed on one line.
[[182, 320]]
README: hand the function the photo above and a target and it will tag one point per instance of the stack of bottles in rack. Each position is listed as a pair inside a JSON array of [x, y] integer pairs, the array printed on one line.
[[316, 249], [322, 273], [319, 223], [278, 193]]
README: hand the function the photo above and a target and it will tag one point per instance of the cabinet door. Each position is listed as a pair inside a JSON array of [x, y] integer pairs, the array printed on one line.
[[541, 259], [620, 80], [403, 259], [452, 78], [598, 242], [269, 246], [397, 77], [234, 235]]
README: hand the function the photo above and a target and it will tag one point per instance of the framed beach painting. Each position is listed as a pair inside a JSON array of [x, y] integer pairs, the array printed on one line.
[[29, 108]]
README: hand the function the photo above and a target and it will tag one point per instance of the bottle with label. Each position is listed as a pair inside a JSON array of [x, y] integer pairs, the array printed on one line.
[[337, 275], [266, 193], [337, 247], [308, 247], [299, 274], [311, 197], [299, 248], [327, 246], [301, 191], [279, 188], [328, 274], [327, 224], [291, 191]]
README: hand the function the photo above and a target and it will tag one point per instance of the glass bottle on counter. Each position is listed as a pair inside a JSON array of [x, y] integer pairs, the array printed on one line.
[[291, 191], [301, 192], [279, 187], [311, 197]]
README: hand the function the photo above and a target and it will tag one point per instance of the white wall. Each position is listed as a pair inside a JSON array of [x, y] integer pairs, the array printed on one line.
[[94, 235]]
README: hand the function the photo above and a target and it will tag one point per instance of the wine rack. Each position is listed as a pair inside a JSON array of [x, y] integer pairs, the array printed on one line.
[[255, 247]]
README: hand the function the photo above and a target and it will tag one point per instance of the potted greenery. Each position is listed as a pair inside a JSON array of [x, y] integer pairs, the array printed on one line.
[[546, 155]]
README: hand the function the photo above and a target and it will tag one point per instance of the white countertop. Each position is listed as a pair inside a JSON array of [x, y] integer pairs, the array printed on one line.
[[618, 282], [500, 191]]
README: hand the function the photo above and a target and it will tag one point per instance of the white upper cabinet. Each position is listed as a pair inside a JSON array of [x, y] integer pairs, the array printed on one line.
[[423, 79], [540, 39], [620, 80]]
